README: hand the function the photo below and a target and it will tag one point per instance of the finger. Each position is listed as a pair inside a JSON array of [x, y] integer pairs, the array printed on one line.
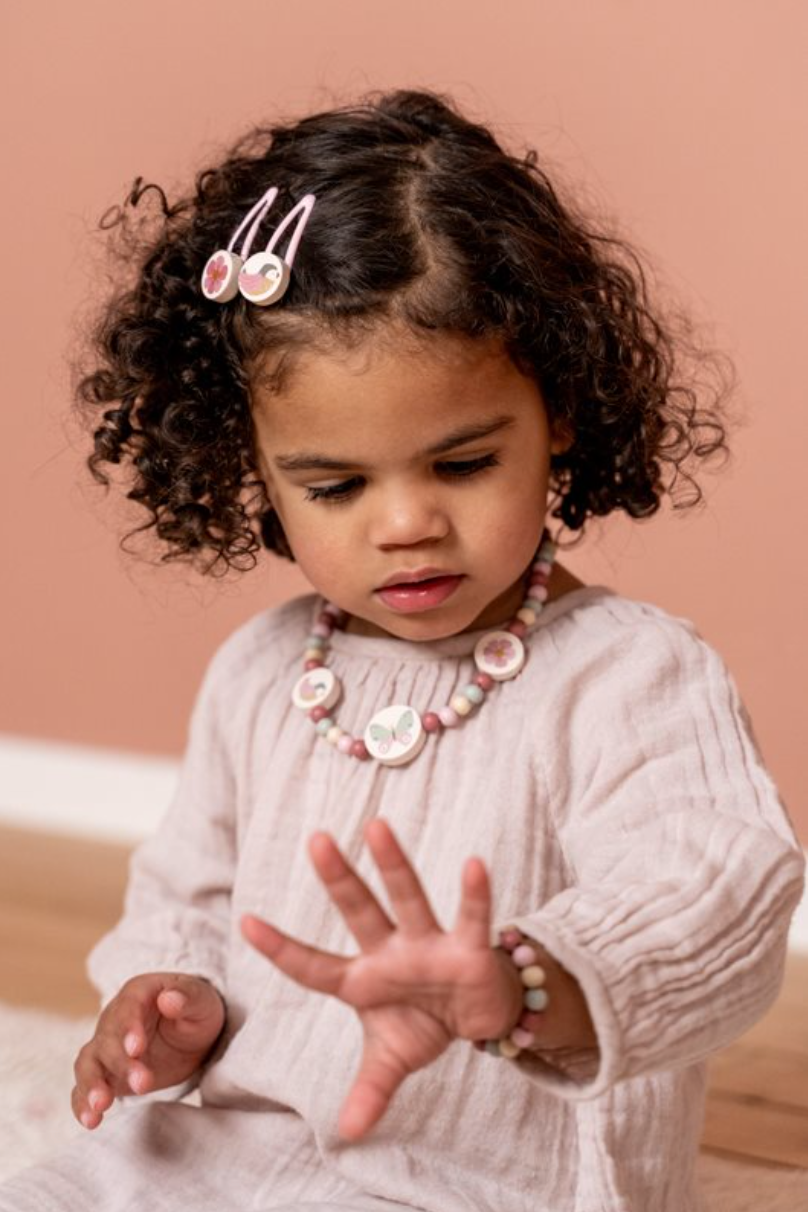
[[135, 1021], [310, 967], [91, 1095], [473, 922], [192, 1011], [375, 1084], [140, 1078], [362, 913], [190, 997], [125, 1033], [413, 912], [87, 1115]]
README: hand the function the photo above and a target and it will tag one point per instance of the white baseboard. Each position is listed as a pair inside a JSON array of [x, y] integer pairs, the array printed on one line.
[[112, 796], [77, 789]]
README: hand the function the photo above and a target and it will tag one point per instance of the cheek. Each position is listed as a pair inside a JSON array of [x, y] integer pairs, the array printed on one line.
[[513, 522], [319, 547]]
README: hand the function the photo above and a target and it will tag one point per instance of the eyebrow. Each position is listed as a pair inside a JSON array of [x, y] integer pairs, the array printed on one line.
[[311, 461]]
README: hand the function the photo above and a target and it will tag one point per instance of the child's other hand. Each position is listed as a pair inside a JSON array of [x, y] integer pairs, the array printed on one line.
[[153, 1034], [414, 986]]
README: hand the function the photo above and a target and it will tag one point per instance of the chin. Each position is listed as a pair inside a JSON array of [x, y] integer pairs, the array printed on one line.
[[430, 625]]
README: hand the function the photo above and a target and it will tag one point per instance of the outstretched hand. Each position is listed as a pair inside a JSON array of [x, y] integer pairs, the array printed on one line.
[[415, 986]]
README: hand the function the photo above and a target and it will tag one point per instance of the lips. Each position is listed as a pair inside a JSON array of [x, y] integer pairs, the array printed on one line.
[[413, 576], [422, 590]]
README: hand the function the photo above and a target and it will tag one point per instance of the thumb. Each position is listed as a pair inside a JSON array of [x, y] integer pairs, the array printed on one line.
[[379, 1076], [189, 998]]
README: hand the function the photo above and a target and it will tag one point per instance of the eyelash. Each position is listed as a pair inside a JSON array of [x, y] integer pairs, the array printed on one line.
[[336, 493]]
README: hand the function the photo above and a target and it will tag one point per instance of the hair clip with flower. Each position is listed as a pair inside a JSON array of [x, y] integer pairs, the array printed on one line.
[[263, 277]]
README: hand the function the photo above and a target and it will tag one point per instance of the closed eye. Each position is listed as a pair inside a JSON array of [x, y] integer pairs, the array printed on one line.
[[453, 469], [334, 492], [467, 467]]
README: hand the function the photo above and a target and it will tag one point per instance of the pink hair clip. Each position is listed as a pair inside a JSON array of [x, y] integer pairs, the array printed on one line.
[[263, 277], [220, 275]]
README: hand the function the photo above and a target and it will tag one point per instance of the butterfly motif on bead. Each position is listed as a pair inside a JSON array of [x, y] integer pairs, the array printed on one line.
[[400, 733]]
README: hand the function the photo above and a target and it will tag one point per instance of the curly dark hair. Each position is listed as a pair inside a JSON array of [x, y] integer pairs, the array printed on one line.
[[421, 217]]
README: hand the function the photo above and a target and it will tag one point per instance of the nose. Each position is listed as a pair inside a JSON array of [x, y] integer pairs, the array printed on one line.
[[408, 516]]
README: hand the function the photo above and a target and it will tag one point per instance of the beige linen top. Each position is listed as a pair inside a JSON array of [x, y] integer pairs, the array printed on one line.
[[616, 793]]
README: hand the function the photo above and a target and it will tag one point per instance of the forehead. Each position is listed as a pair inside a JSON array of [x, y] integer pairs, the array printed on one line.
[[405, 389]]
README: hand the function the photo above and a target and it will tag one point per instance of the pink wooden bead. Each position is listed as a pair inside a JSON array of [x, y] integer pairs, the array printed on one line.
[[483, 680], [431, 722], [327, 620], [321, 630], [358, 750], [523, 1038], [312, 663], [345, 743], [510, 939], [448, 717], [538, 591], [317, 714], [525, 955], [334, 611], [518, 628], [531, 1021], [543, 566]]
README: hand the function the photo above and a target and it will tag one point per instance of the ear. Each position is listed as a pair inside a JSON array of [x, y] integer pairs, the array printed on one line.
[[561, 437]]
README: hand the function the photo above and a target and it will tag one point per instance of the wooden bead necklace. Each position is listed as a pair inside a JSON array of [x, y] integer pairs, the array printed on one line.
[[396, 734]]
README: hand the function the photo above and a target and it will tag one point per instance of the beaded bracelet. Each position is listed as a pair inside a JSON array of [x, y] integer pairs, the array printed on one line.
[[536, 999]]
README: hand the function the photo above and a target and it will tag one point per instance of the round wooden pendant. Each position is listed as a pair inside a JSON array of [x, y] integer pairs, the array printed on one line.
[[264, 278], [220, 276], [317, 688], [395, 735], [500, 654]]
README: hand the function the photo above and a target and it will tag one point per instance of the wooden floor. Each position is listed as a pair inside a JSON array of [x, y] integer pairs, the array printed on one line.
[[58, 895]]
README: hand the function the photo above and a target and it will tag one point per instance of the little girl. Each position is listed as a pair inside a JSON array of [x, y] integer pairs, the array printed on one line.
[[455, 797]]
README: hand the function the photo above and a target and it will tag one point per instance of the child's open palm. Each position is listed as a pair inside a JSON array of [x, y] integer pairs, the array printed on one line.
[[414, 986]]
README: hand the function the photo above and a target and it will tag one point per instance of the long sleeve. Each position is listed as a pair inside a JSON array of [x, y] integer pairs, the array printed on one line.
[[683, 868], [176, 913]]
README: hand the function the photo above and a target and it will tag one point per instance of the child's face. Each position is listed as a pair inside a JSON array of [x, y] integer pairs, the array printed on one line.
[[391, 459]]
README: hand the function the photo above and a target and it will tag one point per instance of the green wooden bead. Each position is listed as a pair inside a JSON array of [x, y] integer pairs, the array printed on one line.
[[536, 999]]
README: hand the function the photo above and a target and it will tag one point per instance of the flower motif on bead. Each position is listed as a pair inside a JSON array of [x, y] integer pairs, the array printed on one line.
[[215, 274], [499, 651]]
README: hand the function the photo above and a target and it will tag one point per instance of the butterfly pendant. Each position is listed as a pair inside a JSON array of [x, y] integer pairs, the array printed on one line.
[[401, 732], [395, 735]]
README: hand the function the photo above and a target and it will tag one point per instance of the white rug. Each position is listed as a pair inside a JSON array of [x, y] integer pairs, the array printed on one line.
[[36, 1075]]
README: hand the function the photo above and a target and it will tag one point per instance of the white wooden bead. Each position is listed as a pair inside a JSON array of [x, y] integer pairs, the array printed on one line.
[[317, 688], [220, 276], [264, 278], [395, 735], [500, 654]]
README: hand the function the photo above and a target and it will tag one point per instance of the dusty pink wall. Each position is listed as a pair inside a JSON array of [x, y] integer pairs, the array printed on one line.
[[688, 120]]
